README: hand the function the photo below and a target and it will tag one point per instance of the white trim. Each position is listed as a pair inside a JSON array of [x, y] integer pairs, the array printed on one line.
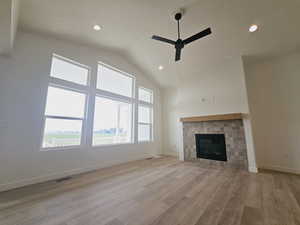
[[114, 144], [112, 96], [281, 169], [54, 176], [122, 73], [147, 90], [132, 120], [72, 87], [252, 169], [115, 69], [62, 148], [68, 60], [64, 117], [60, 83]]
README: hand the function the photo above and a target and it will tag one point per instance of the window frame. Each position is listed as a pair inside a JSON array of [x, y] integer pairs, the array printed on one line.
[[91, 92], [147, 90], [132, 121], [68, 86], [115, 97], [71, 61], [151, 107], [133, 95]]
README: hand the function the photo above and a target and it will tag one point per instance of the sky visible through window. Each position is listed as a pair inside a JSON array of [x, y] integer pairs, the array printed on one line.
[[113, 81], [69, 71], [66, 116], [112, 122]]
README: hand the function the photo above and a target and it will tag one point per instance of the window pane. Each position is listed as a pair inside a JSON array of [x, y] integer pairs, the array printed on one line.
[[69, 71], [113, 81], [112, 122], [61, 133], [144, 132], [144, 114], [145, 95], [61, 102]]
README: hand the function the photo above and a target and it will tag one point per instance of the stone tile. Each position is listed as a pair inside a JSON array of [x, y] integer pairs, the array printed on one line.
[[234, 137]]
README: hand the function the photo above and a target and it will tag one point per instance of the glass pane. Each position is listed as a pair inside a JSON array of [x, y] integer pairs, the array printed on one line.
[[61, 102], [144, 132], [112, 122], [113, 81], [145, 95], [69, 71], [144, 114], [61, 133]]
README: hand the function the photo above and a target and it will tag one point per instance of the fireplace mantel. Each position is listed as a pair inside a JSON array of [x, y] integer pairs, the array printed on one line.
[[219, 117]]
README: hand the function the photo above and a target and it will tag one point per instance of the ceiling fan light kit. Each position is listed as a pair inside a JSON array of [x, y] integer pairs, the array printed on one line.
[[179, 44]]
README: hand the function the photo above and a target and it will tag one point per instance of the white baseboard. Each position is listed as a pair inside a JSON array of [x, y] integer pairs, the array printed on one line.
[[171, 153], [252, 169], [281, 169], [55, 176]]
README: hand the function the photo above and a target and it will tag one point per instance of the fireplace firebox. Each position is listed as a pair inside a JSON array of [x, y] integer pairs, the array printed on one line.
[[211, 146]]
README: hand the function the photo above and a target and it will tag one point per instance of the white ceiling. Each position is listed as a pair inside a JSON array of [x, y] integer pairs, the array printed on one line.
[[129, 24]]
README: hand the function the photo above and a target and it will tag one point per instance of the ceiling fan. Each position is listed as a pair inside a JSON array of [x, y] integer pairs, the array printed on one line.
[[179, 44]]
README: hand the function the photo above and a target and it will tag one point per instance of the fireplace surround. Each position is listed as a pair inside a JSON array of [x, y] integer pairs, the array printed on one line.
[[231, 128]]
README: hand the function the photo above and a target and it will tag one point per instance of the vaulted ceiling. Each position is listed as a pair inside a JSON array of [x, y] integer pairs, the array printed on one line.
[[129, 24]]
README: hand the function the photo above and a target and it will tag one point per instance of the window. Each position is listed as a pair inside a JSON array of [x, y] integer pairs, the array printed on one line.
[[114, 81], [112, 122], [145, 115], [65, 108], [68, 70], [113, 114], [145, 95], [62, 102], [106, 111]]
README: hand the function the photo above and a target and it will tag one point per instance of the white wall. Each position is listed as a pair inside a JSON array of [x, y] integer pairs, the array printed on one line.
[[218, 91], [23, 85], [273, 90]]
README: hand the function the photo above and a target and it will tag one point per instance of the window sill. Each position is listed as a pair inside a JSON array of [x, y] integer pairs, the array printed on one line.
[[75, 147], [112, 145], [145, 142]]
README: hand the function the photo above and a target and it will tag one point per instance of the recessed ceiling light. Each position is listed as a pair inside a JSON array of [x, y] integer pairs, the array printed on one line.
[[253, 28], [160, 67], [97, 27]]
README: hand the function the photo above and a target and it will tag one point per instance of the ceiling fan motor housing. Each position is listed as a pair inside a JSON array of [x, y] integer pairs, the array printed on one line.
[[178, 16], [179, 44]]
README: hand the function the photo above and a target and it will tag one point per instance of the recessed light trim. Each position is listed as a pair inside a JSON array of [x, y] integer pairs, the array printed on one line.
[[97, 27], [253, 28], [160, 67]]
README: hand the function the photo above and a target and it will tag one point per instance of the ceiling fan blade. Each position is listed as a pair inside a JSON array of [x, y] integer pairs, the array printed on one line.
[[197, 36], [177, 54], [158, 38]]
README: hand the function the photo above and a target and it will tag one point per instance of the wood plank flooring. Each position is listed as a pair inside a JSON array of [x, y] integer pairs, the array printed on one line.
[[159, 191]]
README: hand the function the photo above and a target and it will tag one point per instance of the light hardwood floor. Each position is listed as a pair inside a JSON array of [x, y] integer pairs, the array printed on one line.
[[158, 191]]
